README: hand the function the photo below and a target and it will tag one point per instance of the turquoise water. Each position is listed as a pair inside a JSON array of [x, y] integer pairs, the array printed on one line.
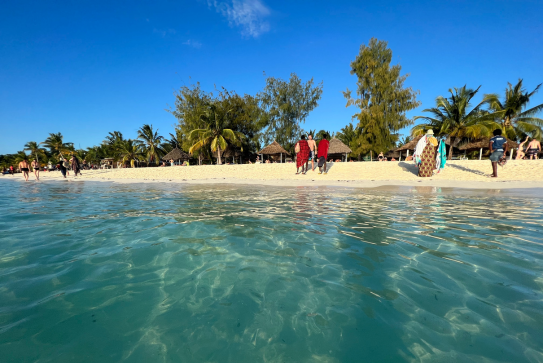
[[97, 272]]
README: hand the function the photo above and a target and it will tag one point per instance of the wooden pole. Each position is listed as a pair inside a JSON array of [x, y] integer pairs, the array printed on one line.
[[371, 155], [480, 153], [400, 159], [281, 158], [511, 155]]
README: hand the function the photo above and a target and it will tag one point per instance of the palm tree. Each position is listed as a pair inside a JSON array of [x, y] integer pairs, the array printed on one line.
[[452, 117], [56, 145], [130, 151], [34, 149], [515, 121], [215, 135], [150, 142]]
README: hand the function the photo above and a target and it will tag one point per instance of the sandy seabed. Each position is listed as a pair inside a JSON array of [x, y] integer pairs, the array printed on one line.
[[463, 174]]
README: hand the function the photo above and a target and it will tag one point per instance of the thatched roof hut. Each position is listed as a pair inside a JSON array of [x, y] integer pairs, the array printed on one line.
[[273, 148], [411, 145], [338, 147], [228, 152], [483, 144], [176, 154]]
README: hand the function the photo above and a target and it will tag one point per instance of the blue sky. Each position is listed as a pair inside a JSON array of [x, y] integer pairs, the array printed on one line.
[[85, 68]]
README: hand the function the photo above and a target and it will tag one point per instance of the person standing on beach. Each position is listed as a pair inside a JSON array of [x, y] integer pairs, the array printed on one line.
[[322, 154], [62, 166], [520, 151], [36, 167], [312, 151], [498, 148], [302, 156], [533, 149], [75, 165], [11, 169], [25, 168]]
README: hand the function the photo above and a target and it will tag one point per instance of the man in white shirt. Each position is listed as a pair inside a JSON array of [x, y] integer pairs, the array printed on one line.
[[313, 150]]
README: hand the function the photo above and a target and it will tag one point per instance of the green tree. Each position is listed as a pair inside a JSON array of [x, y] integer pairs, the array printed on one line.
[[56, 145], [130, 151], [150, 142], [515, 119], [215, 135], [452, 116], [285, 105], [34, 148], [382, 97], [350, 135]]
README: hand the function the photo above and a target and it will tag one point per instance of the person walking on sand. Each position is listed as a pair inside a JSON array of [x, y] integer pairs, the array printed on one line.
[[62, 165], [520, 151], [533, 149], [75, 165], [322, 154], [313, 151], [498, 148], [25, 168], [302, 156], [36, 167]]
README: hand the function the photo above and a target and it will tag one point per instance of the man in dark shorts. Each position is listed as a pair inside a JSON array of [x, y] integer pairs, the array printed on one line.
[[498, 148], [533, 149], [322, 154], [25, 168]]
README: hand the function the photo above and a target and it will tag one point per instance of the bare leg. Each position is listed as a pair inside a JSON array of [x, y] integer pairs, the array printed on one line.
[[494, 170], [325, 167], [25, 174]]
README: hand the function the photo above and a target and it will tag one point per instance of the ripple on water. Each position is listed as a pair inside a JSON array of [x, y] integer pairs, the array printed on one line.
[[98, 272]]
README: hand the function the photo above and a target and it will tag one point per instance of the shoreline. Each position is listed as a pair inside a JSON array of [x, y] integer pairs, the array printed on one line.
[[521, 174]]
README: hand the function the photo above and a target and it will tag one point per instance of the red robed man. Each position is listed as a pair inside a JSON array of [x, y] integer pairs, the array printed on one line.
[[303, 155], [322, 153]]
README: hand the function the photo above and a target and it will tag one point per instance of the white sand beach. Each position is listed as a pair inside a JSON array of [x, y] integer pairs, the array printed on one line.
[[463, 174]]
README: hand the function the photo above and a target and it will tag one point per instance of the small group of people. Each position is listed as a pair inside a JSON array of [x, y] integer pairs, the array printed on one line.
[[531, 151], [63, 166], [307, 150]]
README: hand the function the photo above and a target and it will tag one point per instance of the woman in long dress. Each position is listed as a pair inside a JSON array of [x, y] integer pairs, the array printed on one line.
[[75, 165], [428, 156]]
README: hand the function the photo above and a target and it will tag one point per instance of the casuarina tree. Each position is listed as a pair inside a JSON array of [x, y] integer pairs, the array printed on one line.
[[381, 96]]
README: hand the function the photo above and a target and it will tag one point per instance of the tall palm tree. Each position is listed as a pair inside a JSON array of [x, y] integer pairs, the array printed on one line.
[[452, 117], [56, 145], [215, 135], [150, 141], [515, 121], [130, 151], [35, 150]]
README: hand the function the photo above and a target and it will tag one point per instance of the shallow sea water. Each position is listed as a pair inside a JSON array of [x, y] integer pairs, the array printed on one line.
[[99, 272]]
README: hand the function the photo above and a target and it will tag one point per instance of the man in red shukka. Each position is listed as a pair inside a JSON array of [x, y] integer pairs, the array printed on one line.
[[303, 155], [322, 154]]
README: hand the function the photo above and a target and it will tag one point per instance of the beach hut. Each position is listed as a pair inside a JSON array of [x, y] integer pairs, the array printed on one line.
[[229, 152], [411, 145], [274, 149], [338, 148], [483, 144], [176, 155]]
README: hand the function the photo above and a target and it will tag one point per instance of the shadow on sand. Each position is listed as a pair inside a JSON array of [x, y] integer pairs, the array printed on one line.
[[463, 168], [410, 167]]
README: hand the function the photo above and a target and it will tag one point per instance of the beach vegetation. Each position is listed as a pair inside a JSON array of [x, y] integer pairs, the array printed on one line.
[[56, 145], [36, 151], [215, 136], [129, 151], [285, 106], [350, 136], [516, 119], [150, 142], [381, 97], [455, 117]]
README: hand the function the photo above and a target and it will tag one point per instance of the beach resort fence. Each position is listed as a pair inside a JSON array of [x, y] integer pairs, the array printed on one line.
[[483, 144], [273, 150]]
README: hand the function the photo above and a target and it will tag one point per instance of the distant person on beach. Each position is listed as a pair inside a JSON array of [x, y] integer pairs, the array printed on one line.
[[381, 157], [36, 167], [313, 151], [533, 149], [498, 148], [25, 168], [521, 152], [425, 154], [75, 165], [172, 162], [11, 169], [63, 165], [322, 153], [302, 156]]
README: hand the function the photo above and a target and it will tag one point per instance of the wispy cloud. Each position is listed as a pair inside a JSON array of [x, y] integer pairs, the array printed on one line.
[[193, 43], [249, 15], [163, 32]]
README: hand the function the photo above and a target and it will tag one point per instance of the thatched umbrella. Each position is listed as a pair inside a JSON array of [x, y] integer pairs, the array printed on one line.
[[338, 148], [274, 149], [176, 155], [484, 143]]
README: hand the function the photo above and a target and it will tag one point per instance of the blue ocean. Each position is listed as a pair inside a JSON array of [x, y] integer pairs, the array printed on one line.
[[103, 272]]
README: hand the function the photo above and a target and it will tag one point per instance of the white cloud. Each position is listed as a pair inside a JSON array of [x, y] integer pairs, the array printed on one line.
[[248, 14], [193, 43]]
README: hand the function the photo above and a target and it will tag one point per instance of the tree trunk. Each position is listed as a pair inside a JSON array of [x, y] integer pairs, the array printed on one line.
[[451, 147], [219, 155]]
